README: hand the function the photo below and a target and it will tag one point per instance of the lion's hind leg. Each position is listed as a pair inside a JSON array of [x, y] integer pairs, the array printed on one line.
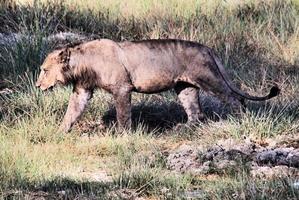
[[211, 81], [224, 93], [220, 90], [236, 104], [122, 98], [189, 98]]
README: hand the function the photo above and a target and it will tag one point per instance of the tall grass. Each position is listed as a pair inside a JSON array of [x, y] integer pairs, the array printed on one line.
[[256, 40]]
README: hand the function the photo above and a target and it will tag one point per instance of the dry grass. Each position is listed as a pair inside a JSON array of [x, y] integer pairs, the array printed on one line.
[[258, 43]]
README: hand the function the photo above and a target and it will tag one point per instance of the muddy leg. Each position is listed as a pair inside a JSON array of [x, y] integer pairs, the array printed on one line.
[[235, 103], [77, 103], [212, 81], [123, 108], [189, 99], [221, 90], [237, 107]]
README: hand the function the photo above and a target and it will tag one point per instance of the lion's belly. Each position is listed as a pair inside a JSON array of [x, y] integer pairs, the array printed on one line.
[[152, 70], [153, 79]]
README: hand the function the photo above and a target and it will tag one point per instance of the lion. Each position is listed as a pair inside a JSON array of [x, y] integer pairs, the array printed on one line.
[[146, 66]]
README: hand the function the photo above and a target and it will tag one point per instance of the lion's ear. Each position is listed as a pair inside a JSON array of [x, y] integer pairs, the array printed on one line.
[[64, 55]]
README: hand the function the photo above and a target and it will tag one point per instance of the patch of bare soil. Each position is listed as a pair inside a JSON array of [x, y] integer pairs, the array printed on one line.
[[263, 161]]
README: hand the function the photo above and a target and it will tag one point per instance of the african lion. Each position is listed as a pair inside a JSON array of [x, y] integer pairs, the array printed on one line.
[[147, 66]]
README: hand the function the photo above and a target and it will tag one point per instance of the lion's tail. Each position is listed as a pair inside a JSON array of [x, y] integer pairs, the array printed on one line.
[[273, 92]]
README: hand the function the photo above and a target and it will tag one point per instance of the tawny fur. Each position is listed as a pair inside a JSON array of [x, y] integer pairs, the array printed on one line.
[[148, 66]]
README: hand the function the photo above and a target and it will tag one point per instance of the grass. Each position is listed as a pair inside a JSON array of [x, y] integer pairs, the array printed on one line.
[[258, 43]]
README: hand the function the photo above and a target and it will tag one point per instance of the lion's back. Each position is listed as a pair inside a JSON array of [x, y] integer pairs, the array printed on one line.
[[156, 64]]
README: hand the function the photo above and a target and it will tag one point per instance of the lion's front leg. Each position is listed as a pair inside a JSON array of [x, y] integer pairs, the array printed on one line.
[[123, 107], [77, 103]]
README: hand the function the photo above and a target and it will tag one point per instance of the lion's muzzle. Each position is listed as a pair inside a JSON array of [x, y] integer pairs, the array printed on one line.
[[37, 84], [42, 86]]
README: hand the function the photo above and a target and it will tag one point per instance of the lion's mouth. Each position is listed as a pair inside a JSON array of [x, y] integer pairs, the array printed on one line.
[[49, 88]]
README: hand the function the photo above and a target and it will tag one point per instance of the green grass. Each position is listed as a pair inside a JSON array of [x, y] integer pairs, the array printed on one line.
[[258, 43], [244, 187]]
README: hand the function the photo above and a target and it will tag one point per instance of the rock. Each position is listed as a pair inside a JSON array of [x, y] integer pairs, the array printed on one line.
[[279, 156], [211, 153], [205, 168], [293, 159], [272, 172], [58, 38], [65, 36], [225, 164], [266, 157], [124, 194], [229, 154], [194, 194], [183, 159]]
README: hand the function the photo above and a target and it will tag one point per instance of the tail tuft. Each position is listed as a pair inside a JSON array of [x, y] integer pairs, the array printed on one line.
[[274, 92]]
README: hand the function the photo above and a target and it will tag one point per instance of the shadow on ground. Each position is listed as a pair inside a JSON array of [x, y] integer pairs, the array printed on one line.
[[163, 116], [61, 188]]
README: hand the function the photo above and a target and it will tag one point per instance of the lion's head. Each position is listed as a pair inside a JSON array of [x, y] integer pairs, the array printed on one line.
[[52, 70]]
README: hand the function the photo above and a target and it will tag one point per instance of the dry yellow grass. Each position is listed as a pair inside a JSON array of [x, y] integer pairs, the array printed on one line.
[[258, 43], [143, 8]]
